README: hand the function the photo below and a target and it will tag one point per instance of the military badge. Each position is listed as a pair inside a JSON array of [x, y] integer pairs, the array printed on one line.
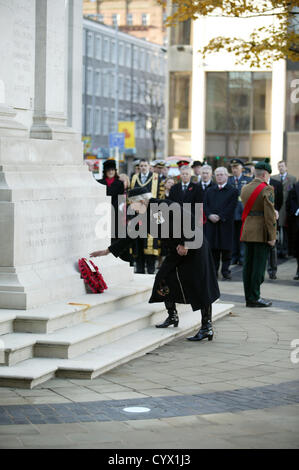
[[163, 290], [159, 217]]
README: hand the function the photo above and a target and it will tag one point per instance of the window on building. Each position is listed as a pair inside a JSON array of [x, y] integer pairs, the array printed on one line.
[[106, 51], [238, 101], [89, 81], [142, 59], [98, 47], [145, 19], [112, 84], [292, 118], [105, 84], [121, 87], [129, 19], [180, 34], [98, 83], [135, 90], [128, 55], [112, 121], [115, 19], [135, 57], [121, 54], [113, 52], [128, 88], [105, 121], [179, 114], [89, 120], [90, 44], [97, 121], [238, 113]]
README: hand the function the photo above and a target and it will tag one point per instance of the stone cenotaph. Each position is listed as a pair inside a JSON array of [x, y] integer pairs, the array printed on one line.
[[50, 205]]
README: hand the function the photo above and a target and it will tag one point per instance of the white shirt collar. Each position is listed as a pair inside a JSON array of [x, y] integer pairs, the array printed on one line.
[[222, 185], [206, 183]]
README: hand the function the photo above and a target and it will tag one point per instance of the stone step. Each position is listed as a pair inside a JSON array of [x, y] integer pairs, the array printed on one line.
[[6, 322], [76, 340], [32, 372], [53, 317]]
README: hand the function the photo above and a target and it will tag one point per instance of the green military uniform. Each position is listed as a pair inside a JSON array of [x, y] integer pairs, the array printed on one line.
[[258, 229]]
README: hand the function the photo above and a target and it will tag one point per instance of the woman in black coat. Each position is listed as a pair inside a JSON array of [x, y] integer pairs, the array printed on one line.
[[187, 275], [115, 187]]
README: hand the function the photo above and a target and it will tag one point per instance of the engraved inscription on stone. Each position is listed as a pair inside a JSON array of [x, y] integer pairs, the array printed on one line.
[[23, 52]]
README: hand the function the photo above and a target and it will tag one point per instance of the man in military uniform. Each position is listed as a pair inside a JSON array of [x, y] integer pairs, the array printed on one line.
[[258, 232], [238, 180], [146, 251], [196, 167]]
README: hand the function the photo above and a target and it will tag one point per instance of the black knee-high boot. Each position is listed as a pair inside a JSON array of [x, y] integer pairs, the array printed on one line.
[[172, 319], [206, 330]]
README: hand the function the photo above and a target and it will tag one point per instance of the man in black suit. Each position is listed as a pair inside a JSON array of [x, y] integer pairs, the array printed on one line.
[[220, 203], [278, 201], [205, 182], [185, 191]]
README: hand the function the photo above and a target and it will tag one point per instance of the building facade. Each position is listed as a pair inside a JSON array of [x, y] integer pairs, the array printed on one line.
[[123, 80], [219, 110], [144, 19]]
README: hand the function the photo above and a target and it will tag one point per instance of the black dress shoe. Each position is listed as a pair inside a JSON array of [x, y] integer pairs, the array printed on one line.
[[260, 303], [202, 334], [272, 276], [226, 276], [296, 278]]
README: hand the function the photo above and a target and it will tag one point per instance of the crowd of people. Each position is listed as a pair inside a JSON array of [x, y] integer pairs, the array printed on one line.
[[220, 192]]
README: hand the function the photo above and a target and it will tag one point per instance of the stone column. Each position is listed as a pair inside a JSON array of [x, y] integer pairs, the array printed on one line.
[[9, 126], [51, 63]]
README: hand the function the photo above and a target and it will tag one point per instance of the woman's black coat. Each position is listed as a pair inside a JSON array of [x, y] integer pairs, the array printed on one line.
[[222, 202], [187, 279], [114, 190]]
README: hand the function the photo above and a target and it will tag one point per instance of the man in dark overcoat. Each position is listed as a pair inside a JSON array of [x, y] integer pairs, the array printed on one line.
[[278, 201], [187, 274], [292, 207], [220, 203], [185, 191], [238, 180]]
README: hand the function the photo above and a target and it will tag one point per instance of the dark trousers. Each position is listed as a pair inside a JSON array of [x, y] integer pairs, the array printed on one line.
[[254, 267], [272, 260], [238, 247], [226, 257], [145, 260], [282, 245]]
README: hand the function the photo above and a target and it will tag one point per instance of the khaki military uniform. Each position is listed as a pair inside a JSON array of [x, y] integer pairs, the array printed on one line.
[[258, 229], [261, 225]]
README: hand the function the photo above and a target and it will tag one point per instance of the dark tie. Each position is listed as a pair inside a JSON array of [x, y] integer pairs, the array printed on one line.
[[184, 187], [281, 179], [204, 186]]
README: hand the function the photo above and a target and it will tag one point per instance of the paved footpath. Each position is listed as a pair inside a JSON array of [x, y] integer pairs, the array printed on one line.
[[239, 391]]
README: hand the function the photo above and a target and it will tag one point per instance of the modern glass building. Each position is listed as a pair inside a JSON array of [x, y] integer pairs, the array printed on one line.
[[218, 110]]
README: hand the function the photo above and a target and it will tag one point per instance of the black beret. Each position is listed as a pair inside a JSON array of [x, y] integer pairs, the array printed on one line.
[[236, 161], [196, 163], [264, 165], [138, 191]]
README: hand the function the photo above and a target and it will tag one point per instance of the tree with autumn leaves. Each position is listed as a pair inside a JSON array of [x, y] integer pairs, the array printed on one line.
[[279, 39]]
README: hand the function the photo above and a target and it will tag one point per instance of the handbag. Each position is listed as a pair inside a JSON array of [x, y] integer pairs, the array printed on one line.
[[91, 275]]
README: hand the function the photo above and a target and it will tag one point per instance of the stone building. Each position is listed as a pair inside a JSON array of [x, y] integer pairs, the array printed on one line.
[[143, 19], [131, 88]]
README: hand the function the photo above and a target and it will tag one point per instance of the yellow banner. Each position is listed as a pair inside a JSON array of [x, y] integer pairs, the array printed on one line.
[[128, 127]]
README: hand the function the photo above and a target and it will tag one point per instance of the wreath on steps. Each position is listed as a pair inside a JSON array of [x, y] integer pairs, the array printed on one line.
[[91, 275]]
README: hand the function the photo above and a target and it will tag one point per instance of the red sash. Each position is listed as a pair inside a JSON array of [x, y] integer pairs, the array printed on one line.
[[250, 203]]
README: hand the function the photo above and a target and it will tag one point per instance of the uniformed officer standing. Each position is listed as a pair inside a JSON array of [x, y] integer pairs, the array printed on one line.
[[238, 180], [258, 232]]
